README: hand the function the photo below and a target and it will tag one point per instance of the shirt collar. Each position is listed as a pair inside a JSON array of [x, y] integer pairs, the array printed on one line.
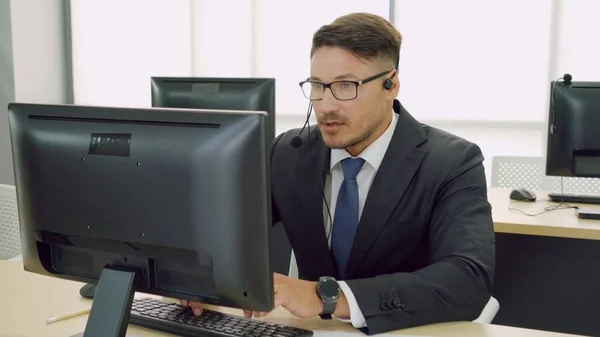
[[374, 153]]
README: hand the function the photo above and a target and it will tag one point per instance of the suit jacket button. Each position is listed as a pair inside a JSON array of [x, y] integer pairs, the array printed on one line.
[[399, 302], [384, 305]]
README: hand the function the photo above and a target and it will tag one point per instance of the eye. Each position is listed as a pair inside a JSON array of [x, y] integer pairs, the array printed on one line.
[[347, 85], [316, 85]]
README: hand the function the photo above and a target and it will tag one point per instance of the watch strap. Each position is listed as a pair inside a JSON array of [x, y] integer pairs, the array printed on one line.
[[328, 309]]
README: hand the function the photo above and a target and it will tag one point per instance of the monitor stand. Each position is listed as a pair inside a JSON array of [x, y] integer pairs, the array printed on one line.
[[87, 291], [109, 315]]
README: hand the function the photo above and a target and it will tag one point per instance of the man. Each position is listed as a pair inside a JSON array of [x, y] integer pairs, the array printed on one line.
[[411, 240]]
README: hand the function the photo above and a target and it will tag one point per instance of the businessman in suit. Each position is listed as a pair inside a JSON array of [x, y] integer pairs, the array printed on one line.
[[388, 218]]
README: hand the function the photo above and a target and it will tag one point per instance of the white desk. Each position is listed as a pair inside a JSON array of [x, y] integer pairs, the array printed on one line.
[[562, 223], [27, 300]]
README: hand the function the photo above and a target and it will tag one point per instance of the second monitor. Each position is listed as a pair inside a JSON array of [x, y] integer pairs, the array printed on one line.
[[254, 94], [573, 140]]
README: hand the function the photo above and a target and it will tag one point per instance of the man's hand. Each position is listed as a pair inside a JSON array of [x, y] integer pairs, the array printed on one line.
[[196, 307], [298, 296]]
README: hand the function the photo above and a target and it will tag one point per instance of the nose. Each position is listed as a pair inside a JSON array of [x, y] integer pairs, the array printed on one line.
[[327, 104]]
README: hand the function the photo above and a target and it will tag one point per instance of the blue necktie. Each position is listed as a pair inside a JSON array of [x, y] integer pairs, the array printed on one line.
[[345, 221]]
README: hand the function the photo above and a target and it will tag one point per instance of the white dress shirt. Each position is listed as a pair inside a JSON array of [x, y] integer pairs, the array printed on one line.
[[373, 156]]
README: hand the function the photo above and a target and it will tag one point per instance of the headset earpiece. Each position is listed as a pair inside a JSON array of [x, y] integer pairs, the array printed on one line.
[[388, 84]]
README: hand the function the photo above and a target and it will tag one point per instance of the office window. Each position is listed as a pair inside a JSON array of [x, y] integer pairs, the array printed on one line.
[[283, 36], [118, 45], [474, 60], [578, 50], [222, 37]]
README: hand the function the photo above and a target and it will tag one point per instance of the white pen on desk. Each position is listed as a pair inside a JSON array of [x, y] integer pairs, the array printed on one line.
[[67, 316]]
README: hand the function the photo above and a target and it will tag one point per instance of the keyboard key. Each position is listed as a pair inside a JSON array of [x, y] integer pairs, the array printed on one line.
[[172, 318]]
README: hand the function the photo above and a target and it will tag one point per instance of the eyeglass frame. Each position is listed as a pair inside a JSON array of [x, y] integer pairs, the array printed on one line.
[[328, 85]]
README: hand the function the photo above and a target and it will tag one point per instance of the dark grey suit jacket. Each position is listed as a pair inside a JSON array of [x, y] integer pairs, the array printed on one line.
[[424, 250]]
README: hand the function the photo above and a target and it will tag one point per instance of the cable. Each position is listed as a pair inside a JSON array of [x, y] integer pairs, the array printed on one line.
[[560, 205], [330, 224], [546, 209]]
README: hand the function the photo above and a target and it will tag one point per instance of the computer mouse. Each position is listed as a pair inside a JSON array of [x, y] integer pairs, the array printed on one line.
[[522, 194], [88, 291]]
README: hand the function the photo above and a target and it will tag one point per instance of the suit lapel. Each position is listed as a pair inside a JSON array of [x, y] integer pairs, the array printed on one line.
[[312, 170], [399, 165]]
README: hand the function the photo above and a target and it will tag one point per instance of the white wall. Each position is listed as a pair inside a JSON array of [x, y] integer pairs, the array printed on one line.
[[475, 60], [119, 45], [7, 93], [579, 46], [38, 45], [32, 62], [222, 48]]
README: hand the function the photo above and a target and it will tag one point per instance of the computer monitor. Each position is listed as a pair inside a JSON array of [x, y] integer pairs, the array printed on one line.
[[229, 94], [172, 202], [256, 94], [573, 148]]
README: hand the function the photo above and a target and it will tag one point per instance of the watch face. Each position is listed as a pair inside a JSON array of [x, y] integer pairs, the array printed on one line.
[[329, 288]]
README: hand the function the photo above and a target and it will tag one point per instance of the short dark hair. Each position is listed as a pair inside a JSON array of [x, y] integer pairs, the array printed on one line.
[[367, 36]]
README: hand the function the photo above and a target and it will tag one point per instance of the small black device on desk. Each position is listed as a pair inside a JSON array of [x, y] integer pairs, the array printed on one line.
[[588, 213], [522, 194]]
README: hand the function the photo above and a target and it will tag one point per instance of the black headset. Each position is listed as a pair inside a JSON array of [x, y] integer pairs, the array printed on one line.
[[388, 84]]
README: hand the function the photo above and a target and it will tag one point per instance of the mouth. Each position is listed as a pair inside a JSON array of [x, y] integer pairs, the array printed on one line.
[[331, 123], [331, 126]]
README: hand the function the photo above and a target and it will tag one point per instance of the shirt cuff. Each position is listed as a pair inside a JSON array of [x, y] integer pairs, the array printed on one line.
[[356, 316]]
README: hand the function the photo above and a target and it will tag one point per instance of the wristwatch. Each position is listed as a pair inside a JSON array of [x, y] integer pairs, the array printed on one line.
[[329, 292]]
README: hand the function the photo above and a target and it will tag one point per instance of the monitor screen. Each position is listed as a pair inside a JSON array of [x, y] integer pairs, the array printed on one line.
[[257, 94], [573, 147], [177, 199]]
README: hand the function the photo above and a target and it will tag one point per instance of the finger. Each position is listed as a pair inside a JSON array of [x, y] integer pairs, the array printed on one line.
[[248, 313], [184, 303], [260, 314], [197, 308]]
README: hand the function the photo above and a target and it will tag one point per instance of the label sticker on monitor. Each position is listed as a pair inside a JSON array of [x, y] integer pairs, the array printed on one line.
[[203, 90], [110, 144]]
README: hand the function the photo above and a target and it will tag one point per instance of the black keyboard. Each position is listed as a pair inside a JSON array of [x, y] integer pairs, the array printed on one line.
[[173, 318], [580, 198]]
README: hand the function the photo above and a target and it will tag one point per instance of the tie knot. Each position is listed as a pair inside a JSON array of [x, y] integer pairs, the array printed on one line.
[[351, 167]]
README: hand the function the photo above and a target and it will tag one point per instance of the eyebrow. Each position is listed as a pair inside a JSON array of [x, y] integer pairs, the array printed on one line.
[[339, 77]]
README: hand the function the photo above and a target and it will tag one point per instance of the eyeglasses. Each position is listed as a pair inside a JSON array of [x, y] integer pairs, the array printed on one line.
[[341, 90]]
